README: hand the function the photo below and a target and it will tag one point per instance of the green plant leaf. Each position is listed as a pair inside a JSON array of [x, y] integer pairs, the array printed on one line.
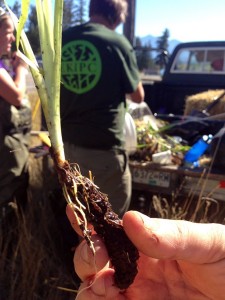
[[22, 20], [48, 80]]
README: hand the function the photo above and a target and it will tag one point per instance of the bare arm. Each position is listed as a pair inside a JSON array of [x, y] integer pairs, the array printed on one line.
[[138, 95], [13, 91]]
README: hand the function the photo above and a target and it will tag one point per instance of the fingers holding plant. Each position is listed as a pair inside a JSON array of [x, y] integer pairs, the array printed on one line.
[[177, 258], [87, 264], [175, 239], [17, 61]]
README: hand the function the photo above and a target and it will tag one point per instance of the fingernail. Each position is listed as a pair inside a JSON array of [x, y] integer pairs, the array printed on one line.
[[86, 253], [143, 218], [104, 286], [150, 225]]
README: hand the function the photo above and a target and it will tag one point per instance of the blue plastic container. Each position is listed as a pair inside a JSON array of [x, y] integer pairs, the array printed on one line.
[[198, 149]]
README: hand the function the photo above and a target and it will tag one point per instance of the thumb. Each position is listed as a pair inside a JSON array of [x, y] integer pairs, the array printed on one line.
[[175, 239]]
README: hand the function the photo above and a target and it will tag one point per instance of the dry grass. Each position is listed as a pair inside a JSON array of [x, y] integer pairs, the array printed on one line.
[[36, 261], [191, 208], [180, 206], [194, 200]]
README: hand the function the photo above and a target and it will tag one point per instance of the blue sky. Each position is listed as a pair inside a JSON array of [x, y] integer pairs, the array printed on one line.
[[186, 20]]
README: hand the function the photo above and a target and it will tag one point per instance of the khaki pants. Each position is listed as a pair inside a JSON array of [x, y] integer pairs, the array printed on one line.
[[110, 171]]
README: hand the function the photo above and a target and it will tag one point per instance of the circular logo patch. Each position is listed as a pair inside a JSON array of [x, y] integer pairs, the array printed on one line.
[[81, 66]]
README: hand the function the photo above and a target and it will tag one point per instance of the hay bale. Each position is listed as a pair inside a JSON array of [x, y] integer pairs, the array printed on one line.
[[202, 100]]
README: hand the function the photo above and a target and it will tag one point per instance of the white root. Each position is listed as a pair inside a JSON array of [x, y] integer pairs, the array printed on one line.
[[81, 218]]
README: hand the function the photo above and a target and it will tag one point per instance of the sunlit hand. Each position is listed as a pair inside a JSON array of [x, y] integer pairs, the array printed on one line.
[[178, 260], [17, 61]]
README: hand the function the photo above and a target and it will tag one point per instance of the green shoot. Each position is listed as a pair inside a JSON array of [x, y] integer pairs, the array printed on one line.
[[47, 80]]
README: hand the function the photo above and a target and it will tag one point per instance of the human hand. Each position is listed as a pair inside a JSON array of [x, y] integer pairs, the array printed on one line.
[[178, 260], [17, 61]]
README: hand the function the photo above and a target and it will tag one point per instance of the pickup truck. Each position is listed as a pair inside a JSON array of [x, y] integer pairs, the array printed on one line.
[[192, 68], [157, 189]]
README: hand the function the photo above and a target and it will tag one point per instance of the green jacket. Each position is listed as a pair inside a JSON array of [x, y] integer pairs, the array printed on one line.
[[15, 126]]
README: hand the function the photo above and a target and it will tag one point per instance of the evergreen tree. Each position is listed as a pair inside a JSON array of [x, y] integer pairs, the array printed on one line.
[[32, 30], [68, 13], [162, 46], [144, 56], [80, 12], [16, 8], [74, 12], [162, 42], [138, 52]]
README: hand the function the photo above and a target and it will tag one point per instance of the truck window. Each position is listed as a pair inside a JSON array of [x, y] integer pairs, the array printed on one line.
[[216, 59], [199, 60]]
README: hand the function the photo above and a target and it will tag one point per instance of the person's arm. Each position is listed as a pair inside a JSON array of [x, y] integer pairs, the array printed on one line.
[[138, 95], [13, 91]]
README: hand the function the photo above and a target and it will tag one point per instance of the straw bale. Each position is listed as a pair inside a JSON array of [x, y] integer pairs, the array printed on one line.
[[202, 100]]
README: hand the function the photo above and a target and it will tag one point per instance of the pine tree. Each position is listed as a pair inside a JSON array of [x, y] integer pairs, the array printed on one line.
[[74, 13], [162, 42], [68, 13], [80, 12], [16, 8], [162, 46], [144, 56], [31, 30]]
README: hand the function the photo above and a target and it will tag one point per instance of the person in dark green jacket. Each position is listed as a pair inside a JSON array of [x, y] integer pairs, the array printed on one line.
[[15, 120], [99, 70]]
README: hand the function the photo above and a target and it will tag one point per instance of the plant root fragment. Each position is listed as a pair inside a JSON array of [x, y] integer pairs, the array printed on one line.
[[92, 206]]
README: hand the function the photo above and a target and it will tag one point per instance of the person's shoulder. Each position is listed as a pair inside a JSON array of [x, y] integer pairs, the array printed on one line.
[[120, 40], [99, 33], [73, 30], [70, 29]]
